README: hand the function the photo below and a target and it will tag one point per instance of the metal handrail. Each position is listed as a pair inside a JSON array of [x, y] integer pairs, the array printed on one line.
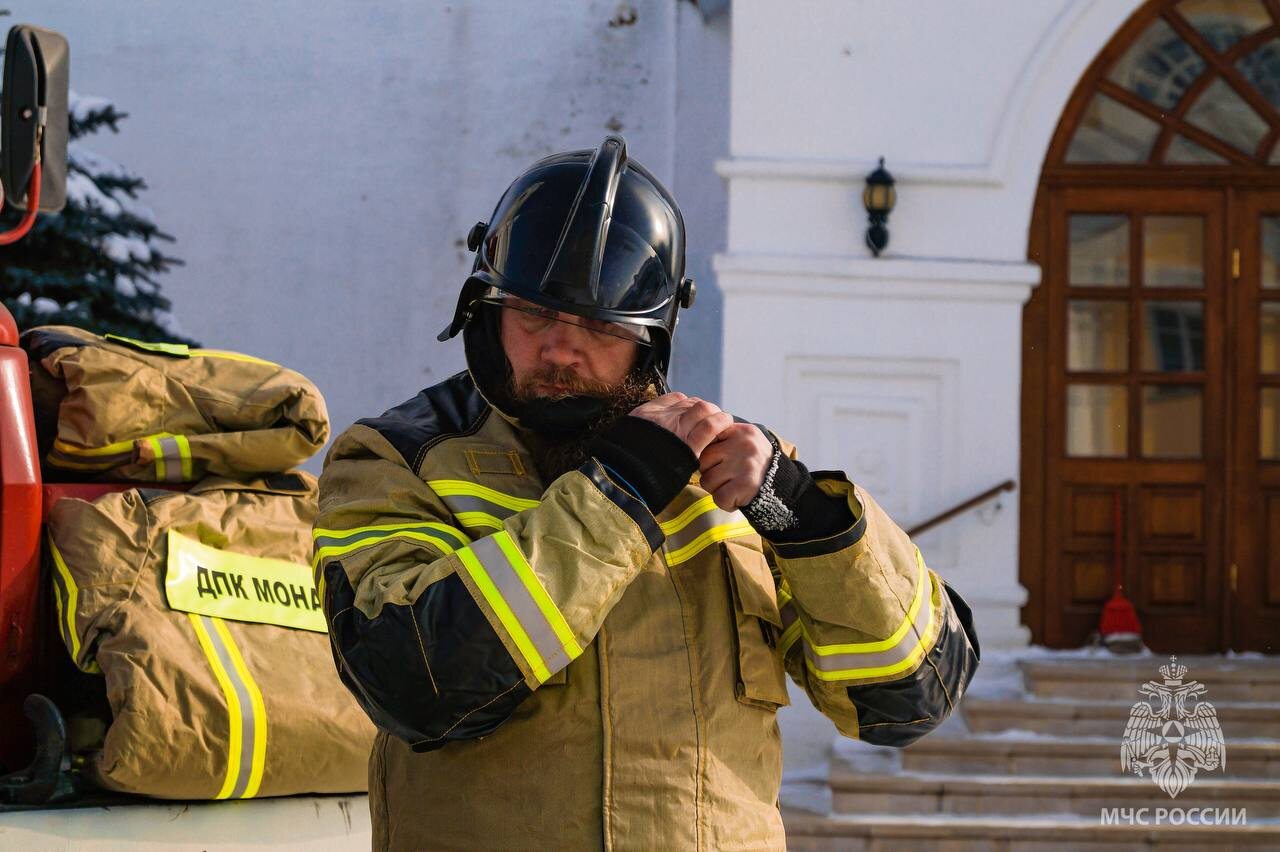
[[1007, 485]]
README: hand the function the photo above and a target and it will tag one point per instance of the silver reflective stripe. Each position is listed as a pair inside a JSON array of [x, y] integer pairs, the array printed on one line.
[[700, 524], [456, 539], [249, 724], [523, 607], [887, 661], [460, 503], [171, 452]]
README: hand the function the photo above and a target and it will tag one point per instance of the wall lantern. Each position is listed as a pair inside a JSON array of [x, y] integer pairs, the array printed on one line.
[[879, 198]]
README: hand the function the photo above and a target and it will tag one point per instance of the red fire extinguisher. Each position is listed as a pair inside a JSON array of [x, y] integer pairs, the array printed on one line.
[[1120, 629]]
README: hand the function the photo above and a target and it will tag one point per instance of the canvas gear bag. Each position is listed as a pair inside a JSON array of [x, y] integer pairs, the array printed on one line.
[[122, 409], [200, 611]]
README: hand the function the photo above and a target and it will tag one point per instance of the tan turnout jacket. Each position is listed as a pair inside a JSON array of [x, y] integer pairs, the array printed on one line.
[[165, 412], [206, 706], [553, 667]]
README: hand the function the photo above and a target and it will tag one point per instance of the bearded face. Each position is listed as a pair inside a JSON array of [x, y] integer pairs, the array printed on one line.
[[557, 455]]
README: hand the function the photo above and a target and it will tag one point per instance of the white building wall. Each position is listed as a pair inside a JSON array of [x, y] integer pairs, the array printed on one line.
[[320, 164], [904, 370]]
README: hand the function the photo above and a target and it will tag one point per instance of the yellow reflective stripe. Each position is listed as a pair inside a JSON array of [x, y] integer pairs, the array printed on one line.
[[462, 488], [327, 552], [259, 710], [871, 671], [67, 609], [179, 350], [882, 661], [789, 637], [508, 619], [70, 465], [320, 532], [697, 507], [790, 613], [68, 617], [479, 519], [230, 356], [61, 606], [109, 449], [338, 542], [711, 536], [184, 450], [234, 711], [539, 594], [897, 636]]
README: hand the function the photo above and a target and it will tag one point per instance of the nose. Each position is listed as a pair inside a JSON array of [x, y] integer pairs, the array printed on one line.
[[562, 344]]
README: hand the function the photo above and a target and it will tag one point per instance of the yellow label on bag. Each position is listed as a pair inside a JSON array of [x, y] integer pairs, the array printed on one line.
[[208, 581]]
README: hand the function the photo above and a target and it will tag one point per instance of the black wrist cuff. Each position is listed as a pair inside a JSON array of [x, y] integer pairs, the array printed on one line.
[[646, 458], [817, 514]]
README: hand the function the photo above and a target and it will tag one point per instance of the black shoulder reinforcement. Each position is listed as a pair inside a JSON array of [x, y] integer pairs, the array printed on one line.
[[899, 712], [429, 673], [453, 407], [41, 342]]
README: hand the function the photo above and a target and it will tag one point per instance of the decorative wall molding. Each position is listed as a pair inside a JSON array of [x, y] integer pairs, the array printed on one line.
[[897, 278], [890, 423], [855, 171]]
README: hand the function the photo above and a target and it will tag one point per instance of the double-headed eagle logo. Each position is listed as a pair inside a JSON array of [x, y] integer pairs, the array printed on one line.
[[1172, 742]]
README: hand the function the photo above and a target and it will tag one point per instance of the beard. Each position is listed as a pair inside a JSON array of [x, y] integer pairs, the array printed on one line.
[[555, 455]]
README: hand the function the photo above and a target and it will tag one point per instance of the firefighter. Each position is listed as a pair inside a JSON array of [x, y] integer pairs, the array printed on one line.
[[569, 598]]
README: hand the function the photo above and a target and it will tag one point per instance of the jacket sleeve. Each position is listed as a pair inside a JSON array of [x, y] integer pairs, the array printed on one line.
[[883, 647], [439, 636]]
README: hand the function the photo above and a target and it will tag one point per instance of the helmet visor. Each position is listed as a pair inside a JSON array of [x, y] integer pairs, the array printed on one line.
[[631, 279], [535, 318]]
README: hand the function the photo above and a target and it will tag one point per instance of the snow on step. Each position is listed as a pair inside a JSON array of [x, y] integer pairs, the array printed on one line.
[[1251, 679], [916, 793], [1015, 752], [877, 832], [1106, 718]]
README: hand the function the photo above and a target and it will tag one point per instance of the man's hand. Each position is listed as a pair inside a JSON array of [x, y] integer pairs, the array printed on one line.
[[692, 420], [734, 464]]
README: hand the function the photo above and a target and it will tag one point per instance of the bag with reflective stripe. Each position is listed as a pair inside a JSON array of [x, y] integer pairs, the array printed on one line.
[[117, 408], [199, 610]]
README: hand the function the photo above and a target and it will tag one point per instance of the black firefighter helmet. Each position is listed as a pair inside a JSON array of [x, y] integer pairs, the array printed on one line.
[[590, 233]]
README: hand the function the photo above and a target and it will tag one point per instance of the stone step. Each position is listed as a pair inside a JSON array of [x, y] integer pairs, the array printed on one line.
[[916, 793], [884, 833], [1039, 755], [1087, 718], [1112, 678]]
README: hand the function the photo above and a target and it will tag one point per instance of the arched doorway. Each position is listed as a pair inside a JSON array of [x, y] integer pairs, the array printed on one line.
[[1151, 351]]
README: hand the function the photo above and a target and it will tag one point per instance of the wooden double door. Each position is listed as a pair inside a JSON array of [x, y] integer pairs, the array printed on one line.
[[1158, 344]]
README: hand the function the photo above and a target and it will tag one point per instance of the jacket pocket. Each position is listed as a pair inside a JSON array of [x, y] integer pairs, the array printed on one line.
[[762, 681]]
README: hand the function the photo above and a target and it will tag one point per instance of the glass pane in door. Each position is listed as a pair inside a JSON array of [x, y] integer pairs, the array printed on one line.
[[1099, 252], [1269, 337], [1173, 251], [1173, 337], [1097, 336], [1269, 424], [1172, 421], [1270, 226], [1097, 420]]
